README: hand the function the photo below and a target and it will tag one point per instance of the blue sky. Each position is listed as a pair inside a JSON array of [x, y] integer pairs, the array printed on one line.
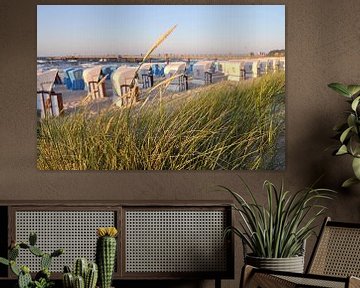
[[131, 29]]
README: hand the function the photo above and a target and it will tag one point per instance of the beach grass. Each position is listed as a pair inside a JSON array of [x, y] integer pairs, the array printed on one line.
[[228, 125]]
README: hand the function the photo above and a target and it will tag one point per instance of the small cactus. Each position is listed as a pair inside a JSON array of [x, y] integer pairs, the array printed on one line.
[[79, 282], [68, 280], [14, 268], [36, 251], [91, 276], [25, 269], [44, 273], [90, 272], [106, 254], [57, 252], [32, 239], [24, 278], [24, 246], [67, 269], [13, 253], [80, 268], [45, 261], [4, 261]]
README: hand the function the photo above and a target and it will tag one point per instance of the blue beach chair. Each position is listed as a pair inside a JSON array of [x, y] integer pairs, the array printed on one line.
[[67, 80], [108, 70], [77, 82]]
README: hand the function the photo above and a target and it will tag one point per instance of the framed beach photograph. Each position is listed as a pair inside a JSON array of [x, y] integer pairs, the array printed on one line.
[[161, 87]]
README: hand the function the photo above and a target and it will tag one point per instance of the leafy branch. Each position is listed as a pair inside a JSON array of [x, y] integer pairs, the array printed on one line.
[[349, 131]]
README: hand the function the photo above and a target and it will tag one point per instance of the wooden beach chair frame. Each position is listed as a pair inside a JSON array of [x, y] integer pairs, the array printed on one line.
[[96, 90], [335, 262], [47, 105]]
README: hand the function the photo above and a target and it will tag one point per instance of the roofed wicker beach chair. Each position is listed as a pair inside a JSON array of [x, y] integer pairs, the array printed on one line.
[[49, 103], [335, 262]]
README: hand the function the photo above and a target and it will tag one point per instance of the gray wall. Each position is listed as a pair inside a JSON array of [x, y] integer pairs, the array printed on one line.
[[322, 46]]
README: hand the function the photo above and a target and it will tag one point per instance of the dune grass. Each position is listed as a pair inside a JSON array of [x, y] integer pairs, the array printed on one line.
[[228, 125]]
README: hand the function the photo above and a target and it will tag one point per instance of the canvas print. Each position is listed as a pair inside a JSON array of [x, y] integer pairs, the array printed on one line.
[[161, 87]]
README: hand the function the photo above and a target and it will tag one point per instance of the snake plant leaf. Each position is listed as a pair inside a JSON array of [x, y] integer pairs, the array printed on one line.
[[345, 134], [356, 167], [342, 150], [279, 228], [349, 182], [340, 88], [355, 103], [353, 89]]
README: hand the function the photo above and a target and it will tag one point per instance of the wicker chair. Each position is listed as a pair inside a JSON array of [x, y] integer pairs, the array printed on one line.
[[334, 263]]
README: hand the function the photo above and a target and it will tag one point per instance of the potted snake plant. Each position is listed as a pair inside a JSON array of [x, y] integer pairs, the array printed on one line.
[[274, 234]]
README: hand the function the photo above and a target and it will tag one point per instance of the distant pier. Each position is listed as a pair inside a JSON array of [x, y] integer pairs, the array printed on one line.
[[138, 58]]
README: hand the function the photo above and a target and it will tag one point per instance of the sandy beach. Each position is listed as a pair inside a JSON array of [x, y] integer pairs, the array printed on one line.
[[76, 99]]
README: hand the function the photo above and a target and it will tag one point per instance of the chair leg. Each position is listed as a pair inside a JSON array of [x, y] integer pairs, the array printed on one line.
[[246, 274], [217, 283], [251, 279]]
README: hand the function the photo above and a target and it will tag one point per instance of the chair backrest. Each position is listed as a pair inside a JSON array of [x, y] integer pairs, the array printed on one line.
[[337, 251]]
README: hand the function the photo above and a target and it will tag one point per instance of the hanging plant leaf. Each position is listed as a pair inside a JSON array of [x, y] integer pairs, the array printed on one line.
[[354, 145], [355, 103], [353, 89], [340, 88], [349, 182], [351, 120], [345, 134], [342, 150], [356, 167]]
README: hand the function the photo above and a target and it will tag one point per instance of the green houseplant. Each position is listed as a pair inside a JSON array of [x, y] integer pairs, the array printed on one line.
[[276, 233], [42, 278], [106, 254], [84, 274], [349, 132]]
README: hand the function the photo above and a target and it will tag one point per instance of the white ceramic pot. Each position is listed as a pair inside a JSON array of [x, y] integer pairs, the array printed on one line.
[[291, 264]]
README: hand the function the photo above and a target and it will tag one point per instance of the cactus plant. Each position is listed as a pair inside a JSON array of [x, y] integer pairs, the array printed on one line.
[[24, 280], [80, 267], [79, 282], [43, 283], [91, 276], [13, 253], [68, 280], [14, 268], [45, 261], [84, 274], [36, 251], [106, 254], [43, 274], [32, 238], [42, 278]]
